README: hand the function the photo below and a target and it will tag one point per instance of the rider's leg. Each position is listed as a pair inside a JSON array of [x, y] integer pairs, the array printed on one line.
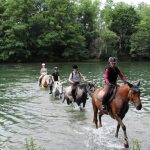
[[107, 95], [73, 92], [51, 87], [40, 79]]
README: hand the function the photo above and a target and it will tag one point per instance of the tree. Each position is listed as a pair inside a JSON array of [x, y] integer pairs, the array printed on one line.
[[88, 14], [140, 41], [124, 22]]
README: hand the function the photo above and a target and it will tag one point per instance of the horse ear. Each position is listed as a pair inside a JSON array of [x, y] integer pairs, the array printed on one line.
[[129, 84], [138, 84]]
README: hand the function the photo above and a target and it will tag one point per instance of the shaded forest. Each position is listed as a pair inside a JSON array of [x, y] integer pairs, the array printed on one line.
[[73, 30]]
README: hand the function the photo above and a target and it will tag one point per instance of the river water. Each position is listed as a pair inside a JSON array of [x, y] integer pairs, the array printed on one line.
[[28, 111]]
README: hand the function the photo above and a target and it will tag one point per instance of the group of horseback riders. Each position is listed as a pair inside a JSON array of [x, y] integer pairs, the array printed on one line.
[[55, 76], [110, 76]]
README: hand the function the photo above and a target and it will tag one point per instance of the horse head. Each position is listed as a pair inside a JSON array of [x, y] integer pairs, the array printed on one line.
[[134, 95], [58, 88], [87, 87], [90, 88]]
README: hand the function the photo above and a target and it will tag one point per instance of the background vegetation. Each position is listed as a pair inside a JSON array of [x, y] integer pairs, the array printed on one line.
[[72, 30]]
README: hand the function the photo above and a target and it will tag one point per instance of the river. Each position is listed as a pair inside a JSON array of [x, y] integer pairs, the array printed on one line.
[[28, 111]]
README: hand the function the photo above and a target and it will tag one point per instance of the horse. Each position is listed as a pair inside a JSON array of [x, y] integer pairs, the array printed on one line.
[[45, 81], [119, 105], [57, 89], [81, 94]]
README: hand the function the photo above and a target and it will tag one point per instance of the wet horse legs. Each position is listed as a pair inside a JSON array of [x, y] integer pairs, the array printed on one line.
[[118, 127], [100, 121], [126, 145], [95, 109], [95, 117]]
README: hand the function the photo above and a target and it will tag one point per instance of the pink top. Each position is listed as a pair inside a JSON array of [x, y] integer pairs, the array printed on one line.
[[107, 72]]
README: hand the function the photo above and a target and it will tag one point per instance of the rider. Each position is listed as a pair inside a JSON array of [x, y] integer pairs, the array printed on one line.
[[75, 78], [43, 72], [55, 77], [111, 74]]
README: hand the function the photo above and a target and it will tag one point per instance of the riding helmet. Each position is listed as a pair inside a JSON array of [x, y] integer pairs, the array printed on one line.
[[112, 60], [55, 68], [75, 67]]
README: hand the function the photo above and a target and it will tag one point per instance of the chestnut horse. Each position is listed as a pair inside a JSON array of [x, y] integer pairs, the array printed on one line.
[[119, 105]]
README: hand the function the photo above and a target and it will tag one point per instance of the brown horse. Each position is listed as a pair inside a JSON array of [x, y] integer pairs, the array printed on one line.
[[119, 105]]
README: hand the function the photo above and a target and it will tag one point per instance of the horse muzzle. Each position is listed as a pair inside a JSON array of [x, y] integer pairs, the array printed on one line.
[[139, 107]]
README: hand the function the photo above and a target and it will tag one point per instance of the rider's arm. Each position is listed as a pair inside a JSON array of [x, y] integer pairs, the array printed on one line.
[[53, 78], [70, 81], [46, 70], [41, 71], [106, 76], [121, 75], [82, 77], [59, 78]]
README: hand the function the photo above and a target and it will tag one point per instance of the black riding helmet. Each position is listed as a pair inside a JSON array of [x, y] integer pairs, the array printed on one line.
[[112, 60], [75, 67]]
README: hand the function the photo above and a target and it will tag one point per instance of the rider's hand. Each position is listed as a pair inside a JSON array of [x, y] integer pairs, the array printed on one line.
[[110, 84], [125, 82]]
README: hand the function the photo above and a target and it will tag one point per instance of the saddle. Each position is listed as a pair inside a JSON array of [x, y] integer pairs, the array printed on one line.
[[111, 96], [113, 93]]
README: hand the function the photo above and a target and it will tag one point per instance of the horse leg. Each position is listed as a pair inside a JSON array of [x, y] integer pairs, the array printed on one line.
[[84, 102], [95, 109], [63, 99], [126, 144], [68, 101], [118, 127], [95, 117], [100, 120], [80, 107]]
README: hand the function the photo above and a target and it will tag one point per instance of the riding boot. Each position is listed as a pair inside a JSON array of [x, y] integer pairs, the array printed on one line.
[[74, 94]]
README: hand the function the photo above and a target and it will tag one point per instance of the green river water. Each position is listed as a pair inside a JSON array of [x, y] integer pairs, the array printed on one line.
[[28, 111]]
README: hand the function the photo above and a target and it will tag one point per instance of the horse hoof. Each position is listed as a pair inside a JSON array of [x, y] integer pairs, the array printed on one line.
[[126, 145]]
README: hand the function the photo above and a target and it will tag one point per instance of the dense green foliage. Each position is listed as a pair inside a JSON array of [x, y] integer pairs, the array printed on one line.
[[70, 30], [140, 41]]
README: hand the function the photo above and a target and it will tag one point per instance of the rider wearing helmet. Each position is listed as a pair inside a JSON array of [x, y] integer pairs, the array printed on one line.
[[55, 77], [75, 78], [43, 72], [111, 74]]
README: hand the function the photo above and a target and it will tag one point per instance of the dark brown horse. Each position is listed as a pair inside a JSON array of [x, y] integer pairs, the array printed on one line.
[[119, 105]]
